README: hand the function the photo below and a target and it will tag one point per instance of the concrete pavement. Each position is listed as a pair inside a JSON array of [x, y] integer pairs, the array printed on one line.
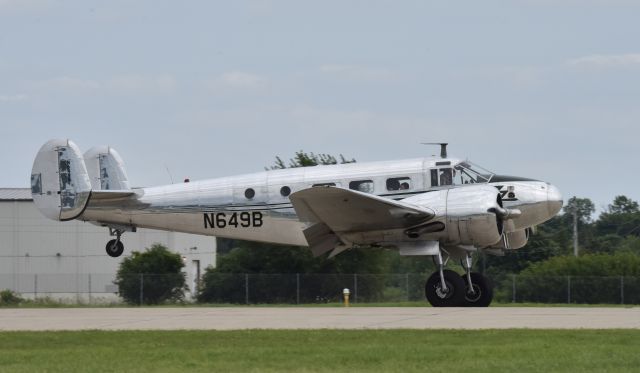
[[233, 318]]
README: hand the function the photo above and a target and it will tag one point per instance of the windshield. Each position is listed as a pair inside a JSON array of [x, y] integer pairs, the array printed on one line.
[[469, 173]]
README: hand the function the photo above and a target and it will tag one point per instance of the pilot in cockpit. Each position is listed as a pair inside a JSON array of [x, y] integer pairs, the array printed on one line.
[[446, 177]]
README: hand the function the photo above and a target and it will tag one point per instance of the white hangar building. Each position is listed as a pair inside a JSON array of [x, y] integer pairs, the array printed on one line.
[[67, 260]]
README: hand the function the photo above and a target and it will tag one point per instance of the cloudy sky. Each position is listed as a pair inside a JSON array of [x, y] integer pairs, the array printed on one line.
[[539, 88]]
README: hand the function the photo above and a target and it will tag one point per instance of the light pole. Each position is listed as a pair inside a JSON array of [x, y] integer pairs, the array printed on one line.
[[574, 210]]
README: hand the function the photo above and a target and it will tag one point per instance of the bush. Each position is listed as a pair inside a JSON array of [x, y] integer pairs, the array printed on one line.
[[594, 278], [152, 277], [9, 298]]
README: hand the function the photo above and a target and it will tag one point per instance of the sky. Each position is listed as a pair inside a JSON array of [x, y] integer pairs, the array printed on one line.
[[200, 89]]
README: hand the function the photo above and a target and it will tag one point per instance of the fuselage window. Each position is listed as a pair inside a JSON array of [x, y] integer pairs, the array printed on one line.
[[285, 191], [249, 193], [365, 186], [398, 183]]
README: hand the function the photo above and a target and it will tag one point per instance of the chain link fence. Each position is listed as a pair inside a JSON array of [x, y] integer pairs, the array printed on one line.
[[318, 288]]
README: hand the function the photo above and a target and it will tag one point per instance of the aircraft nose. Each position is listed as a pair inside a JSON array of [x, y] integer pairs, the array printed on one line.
[[554, 200]]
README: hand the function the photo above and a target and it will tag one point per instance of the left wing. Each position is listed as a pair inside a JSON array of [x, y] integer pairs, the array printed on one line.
[[332, 211]]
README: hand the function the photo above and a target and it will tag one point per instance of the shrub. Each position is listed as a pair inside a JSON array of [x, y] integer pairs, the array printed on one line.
[[151, 277], [9, 298]]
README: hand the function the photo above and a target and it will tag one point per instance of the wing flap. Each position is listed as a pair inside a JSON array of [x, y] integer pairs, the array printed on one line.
[[344, 210]]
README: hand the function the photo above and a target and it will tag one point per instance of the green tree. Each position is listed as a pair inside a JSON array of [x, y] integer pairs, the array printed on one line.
[[584, 207], [156, 272], [623, 205], [618, 228], [304, 159]]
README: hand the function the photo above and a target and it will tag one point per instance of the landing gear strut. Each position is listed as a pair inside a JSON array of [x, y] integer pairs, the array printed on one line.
[[115, 248], [479, 290], [444, 288]]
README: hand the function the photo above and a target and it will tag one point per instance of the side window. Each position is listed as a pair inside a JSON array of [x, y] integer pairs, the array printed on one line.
[[324, 185], [434, 178], [365, 186], [446, 176], [398, 183]]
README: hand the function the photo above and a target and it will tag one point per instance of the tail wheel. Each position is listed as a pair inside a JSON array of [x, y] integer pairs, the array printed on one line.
[[115, 248], [482, 294], [453, 296]]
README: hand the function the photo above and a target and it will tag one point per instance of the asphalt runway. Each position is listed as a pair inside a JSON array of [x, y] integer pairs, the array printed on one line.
[[235, 318]]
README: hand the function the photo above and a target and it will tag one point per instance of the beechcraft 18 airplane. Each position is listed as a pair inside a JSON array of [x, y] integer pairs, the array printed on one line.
[[441, 207]]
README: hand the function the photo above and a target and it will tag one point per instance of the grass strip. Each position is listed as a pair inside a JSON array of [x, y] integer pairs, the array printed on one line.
[[322, 351]]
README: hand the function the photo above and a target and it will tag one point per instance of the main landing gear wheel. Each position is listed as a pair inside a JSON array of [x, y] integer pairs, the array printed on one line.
[[453, 296], [482, 294], [115, 248]]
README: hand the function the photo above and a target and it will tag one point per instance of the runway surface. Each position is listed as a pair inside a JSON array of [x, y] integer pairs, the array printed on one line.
[[234, 318]]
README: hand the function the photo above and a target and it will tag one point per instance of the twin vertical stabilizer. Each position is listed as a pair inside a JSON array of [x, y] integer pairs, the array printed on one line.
[[62, 179]]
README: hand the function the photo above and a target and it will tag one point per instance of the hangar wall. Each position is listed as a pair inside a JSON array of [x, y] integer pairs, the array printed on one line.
[[43, 257]]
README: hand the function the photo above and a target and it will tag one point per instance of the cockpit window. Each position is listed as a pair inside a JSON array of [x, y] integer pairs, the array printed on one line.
[[468, 173], [446, 176]]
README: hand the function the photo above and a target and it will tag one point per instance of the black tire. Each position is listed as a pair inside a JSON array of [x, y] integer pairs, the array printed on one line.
[[483, 288], [454, 297], [114, 248]]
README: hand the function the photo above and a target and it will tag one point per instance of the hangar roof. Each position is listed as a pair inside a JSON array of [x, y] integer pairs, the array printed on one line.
[[15, 194]]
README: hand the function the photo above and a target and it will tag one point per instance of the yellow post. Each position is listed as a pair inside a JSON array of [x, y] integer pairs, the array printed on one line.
[[345, 294]]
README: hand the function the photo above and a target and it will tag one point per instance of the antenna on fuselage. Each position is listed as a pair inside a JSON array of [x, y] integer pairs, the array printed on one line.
[[443, 147], [169, 172]]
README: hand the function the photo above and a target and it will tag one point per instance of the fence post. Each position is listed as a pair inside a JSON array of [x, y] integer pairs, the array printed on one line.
[[406, 284], [246, 288], [355, 288], [141, 288], [297, 288], [513, 288], [621, 289], [35, 286], [89, 288], [568, 289]]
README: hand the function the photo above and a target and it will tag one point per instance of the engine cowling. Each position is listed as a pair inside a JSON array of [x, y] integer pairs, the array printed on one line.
[[472, 215]]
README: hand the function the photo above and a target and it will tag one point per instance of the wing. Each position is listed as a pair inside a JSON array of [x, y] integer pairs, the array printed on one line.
[[332, 211]]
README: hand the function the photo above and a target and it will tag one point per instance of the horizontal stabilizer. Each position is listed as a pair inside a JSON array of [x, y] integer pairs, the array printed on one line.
[[110, 194], [344, 210]]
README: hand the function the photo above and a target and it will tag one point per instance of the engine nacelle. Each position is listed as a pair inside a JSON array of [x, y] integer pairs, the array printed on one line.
[[470, 215]]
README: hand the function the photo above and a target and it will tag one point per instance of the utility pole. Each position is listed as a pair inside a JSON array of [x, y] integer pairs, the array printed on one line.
[[575, 230]]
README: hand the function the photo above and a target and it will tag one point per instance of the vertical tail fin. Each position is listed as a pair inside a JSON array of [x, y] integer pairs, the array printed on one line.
[[60, 184], [106, 169]]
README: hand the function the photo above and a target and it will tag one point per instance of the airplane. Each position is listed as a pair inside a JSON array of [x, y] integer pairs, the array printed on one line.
[[441, 207]]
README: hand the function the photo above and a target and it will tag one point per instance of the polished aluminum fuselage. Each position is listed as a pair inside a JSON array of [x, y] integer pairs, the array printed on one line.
[[199, 207]]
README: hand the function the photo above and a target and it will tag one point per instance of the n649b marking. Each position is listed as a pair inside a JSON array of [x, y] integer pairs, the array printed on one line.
[[243, 219]]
